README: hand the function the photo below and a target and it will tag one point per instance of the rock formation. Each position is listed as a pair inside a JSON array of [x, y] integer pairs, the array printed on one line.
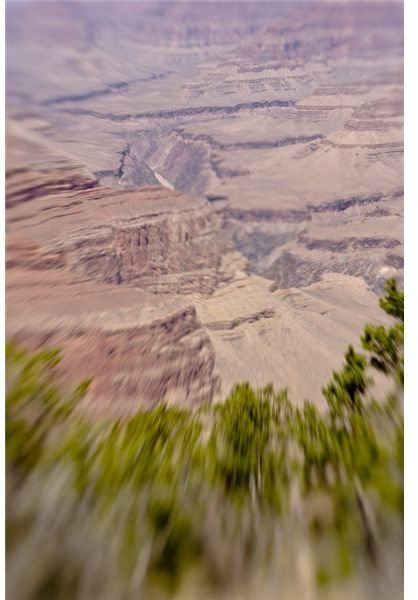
[[199, 194]]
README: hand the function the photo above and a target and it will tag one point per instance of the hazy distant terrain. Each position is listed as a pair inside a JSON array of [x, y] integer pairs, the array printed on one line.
[[276, 131]]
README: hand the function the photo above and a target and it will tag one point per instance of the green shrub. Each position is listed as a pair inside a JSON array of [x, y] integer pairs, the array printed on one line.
[[148, 505]]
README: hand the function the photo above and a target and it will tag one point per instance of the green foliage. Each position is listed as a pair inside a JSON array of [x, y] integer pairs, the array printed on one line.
[[393, 302], [346, 390], [386, 343], [35, 405], [172, 492]]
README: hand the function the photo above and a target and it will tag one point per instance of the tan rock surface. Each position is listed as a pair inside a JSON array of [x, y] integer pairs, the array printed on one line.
[[292, 338], [138, 347], [281, 133]]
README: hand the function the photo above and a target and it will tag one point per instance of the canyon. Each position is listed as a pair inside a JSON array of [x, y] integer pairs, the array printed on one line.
[[199, 194]]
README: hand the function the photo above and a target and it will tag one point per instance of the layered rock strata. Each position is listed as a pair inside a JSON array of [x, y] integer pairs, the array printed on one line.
[[82, 263]]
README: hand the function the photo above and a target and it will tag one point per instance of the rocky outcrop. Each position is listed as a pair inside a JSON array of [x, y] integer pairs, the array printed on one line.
[[176, 252], [288, 121], [82, 262], [130, 362], [293, 338], [150, 237]]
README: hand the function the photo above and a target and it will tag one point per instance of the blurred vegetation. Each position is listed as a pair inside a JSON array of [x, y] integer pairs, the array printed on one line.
[[171, 500]]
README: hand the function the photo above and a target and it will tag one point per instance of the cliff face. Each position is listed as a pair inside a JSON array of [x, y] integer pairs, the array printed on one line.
[[131, 362], [82, 263], [150, 237], [286, 117], [142, 293], [177, 250]]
